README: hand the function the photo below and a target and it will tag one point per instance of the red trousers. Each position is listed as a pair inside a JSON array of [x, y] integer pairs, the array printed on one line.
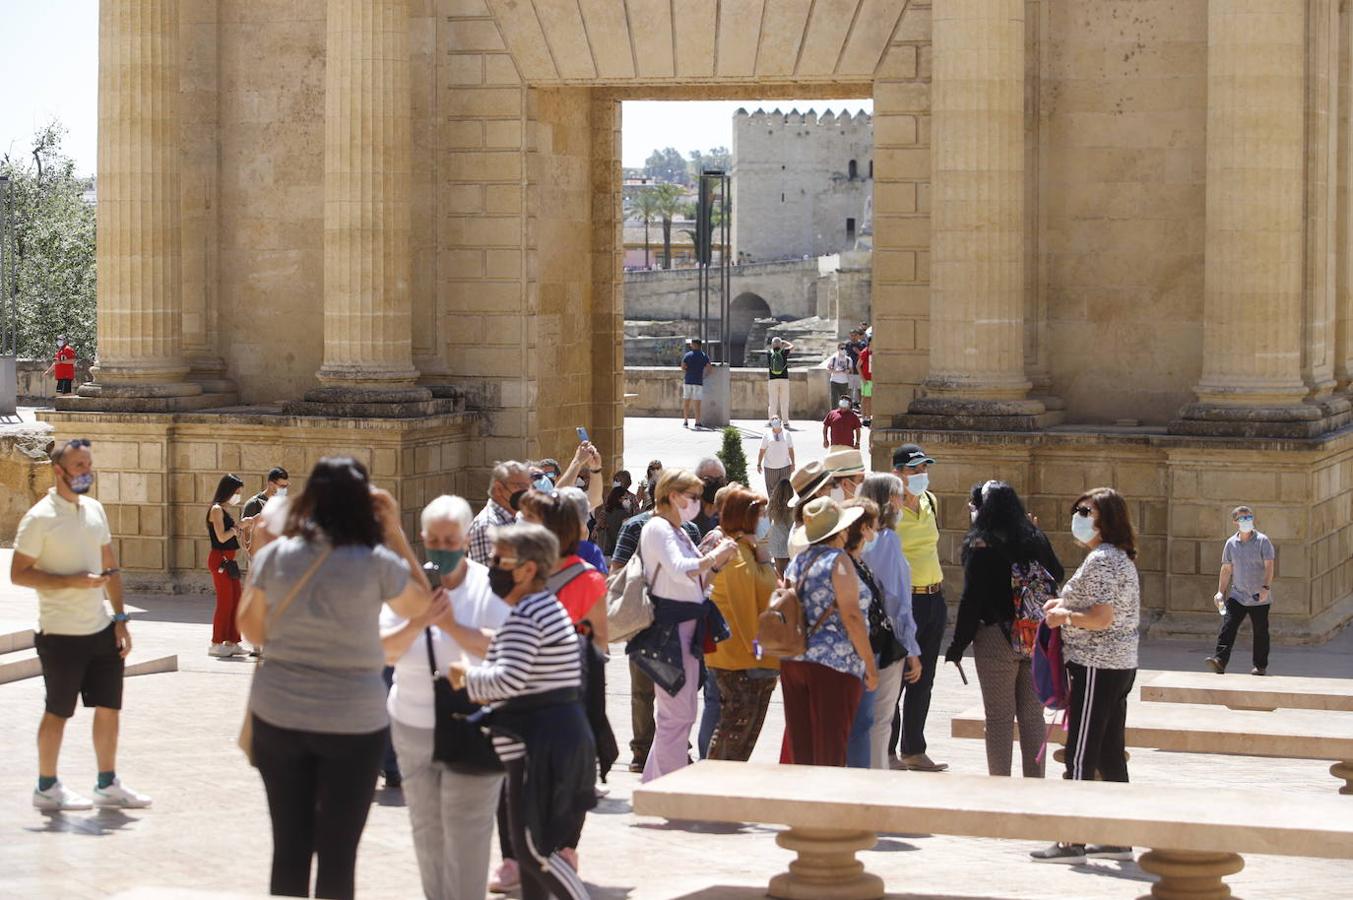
[[228, 591], [820, 705]]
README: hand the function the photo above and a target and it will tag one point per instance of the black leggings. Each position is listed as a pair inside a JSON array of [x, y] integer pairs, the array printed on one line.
[[319, 792], [542, 877], [1096, 721]]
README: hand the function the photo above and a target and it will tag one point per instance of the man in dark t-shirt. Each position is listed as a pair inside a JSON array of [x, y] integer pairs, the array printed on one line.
[[693, 365], [277, 484]]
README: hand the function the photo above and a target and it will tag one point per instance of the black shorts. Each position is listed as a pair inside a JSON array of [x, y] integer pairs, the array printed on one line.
[[83, 665]]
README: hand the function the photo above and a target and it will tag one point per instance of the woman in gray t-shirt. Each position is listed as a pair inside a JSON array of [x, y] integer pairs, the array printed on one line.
[[317, 701]]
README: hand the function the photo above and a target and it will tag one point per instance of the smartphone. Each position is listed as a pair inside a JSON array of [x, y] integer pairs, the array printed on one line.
[[432, 571], [582, 435], [106, 572]]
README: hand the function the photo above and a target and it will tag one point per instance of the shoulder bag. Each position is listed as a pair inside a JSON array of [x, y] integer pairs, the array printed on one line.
[[629, 608], [780, 631], [461, 745], [246, 738]]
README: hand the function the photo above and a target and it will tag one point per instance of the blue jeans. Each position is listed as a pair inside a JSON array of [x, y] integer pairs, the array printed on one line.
[[709, 718], [857, 749]]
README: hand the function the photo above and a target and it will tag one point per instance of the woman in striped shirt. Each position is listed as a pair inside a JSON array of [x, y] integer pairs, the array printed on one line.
[[532, 680]]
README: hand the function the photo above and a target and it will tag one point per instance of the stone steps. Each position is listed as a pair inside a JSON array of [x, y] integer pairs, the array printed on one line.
[[19, 660]]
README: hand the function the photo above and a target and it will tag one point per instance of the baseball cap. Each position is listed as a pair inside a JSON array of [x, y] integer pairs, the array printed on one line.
[[909, 455]]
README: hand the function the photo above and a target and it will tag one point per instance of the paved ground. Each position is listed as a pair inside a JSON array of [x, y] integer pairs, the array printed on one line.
[[209, 829]]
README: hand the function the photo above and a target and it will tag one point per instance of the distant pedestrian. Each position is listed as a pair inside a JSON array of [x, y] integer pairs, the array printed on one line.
[[225, 534], [840, 367], [777, 379], [64, 551], [508, 484], [776, 457], [63, 366], [693, 366], [866, 364], [854, 347], [276, 486], [841, 427], [1243, 590]]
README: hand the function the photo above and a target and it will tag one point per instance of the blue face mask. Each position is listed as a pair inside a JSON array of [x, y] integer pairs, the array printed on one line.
[[869, 544], [445, 561], [81, 484], [762, 528], [543, 484]]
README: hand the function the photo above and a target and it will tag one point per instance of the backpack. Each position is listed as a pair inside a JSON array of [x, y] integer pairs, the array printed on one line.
[[779, 630], [1031, 586], [564, 577], [778, 363], [882, 638], [1049, 669]]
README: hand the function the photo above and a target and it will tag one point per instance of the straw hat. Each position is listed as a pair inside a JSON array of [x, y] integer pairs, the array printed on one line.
[[844, 462], [824, 517], [807, 481]]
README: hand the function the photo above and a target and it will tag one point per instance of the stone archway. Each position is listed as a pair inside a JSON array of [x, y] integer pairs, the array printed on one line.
[[743, 312]]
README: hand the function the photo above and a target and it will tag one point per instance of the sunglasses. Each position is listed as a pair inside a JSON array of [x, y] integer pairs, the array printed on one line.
[[1082, 510], [77, 443]]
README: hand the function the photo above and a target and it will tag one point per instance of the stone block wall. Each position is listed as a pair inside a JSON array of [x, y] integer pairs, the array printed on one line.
[[658, 393], [1180, 493], [156, 474], [25, 474]]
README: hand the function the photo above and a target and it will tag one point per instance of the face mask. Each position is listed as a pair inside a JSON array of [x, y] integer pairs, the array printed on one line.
[[917, 484], [281, 492], [1083, 528], [762, 528], [542, 484], [235, 500], [689, 509], [501, 581], [445, 561], [514, 499], [838, 494], [580, 483], [617, 483], [843, 405], [80, 484], [711, 488], [972, 516], [869, 544], [1246, 525]]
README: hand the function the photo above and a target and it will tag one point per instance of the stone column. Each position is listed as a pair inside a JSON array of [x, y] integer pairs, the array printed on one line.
[[140, 310], [977, 219], [368, 353], [1253, 309]]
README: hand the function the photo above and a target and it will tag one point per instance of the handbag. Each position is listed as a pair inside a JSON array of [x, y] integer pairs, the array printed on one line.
[[882, 639], [629, 607], [230, 569], [246, 738], [461, 745]]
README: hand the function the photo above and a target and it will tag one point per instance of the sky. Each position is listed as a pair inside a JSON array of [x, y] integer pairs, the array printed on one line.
[[49, 66], [650, 125]]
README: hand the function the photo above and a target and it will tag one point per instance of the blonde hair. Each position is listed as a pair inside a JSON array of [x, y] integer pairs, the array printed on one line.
[[675, 480]]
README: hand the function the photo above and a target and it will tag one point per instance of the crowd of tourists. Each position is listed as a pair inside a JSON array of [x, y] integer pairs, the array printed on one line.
[[498, 643]]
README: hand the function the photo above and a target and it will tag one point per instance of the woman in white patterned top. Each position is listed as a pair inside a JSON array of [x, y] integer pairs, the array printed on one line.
[[1098, 610]]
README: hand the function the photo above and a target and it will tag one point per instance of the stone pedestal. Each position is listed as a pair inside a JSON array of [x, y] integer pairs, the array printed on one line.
[[1190, 876], [977, 222], [826, 867]]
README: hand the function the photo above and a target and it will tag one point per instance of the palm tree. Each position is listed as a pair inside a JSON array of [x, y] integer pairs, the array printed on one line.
[[669, 204], [642, 206]]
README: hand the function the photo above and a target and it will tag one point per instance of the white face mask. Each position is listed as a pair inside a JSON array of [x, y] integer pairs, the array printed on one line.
[[838, 494], [688, 508], [1083, 528], [972, 516], [235, 500], [762, 528], [1245, 525], [918, 484], [281, 492]]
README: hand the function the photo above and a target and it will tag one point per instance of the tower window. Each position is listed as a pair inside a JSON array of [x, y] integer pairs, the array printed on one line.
[[853, 169], [871, 168], [850, 229]]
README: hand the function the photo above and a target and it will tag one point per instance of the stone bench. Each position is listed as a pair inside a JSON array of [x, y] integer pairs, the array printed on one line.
[[1251, 692], [1193, 729], [1196, 835]]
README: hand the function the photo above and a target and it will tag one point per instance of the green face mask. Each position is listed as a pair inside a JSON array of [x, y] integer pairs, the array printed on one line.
[[445, 561]]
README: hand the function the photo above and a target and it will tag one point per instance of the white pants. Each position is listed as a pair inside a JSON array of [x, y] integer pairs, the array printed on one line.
[[452, 817], [778, 391], [885, 706]]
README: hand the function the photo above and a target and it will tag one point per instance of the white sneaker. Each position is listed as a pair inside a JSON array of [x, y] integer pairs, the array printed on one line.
[[218, 650], [115, 796], [57, 798], [235, 649]]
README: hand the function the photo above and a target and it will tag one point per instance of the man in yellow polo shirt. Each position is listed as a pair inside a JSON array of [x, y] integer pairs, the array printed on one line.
[[918, 527]]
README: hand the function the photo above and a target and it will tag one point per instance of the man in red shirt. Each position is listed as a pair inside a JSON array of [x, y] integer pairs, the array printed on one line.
[[842, 427], [867, 384], [63, 366]]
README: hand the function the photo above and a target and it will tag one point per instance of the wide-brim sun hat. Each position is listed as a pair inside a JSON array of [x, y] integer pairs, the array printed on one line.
[[807, 481], [844, 462], [824, 517]]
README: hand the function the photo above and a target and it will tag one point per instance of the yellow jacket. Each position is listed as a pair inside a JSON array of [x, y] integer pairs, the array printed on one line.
[[742, 592]]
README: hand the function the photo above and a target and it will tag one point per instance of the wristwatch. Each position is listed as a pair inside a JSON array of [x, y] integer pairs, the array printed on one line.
[[121, 617]]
